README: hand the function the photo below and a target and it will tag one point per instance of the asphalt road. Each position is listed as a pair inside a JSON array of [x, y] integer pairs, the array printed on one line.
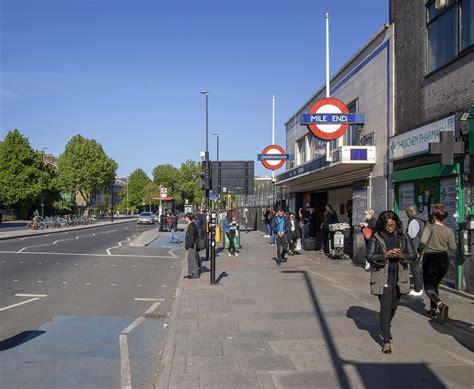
[[82, 309]]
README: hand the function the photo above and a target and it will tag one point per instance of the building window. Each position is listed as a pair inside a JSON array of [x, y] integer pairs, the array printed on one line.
[[449, 31], [467, 24], [351, 137]]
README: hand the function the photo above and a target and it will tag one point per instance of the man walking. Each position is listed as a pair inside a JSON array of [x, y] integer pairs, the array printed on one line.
[[415, 228], [281, 230]]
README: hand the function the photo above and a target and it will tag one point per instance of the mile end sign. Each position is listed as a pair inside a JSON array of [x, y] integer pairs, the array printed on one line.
[[329, 119]]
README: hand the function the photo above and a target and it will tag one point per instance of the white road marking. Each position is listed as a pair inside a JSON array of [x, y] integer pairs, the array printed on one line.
[[39, 281], [40, 263], [152, 308], [147, 299], [114, 265], [18, 261], [18, 304], [30, 295], [76, 264], [57, 263], [64, 282], [139, 285], [126, 379], [134, 265], [163, 286], [172, 253], [15, 280], [88, 283], [133, 325], [116, 247], [113, 284], [87, 255]]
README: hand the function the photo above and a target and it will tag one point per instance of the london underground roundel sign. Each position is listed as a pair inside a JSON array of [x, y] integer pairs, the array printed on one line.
[[330, 115], [273, 157]]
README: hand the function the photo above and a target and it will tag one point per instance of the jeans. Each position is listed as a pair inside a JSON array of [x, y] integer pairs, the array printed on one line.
[[273, 236], [173, 236], [417, 273], [304, 233], [282, 247], [389, 300], [267, 228], [231, 236]]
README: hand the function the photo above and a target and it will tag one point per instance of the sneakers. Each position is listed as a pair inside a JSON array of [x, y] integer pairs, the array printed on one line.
[[444, 310], [415, 293], [236, 254], [230, 255], [367, 266]]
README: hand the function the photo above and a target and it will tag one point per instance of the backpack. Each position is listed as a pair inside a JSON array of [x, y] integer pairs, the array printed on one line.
[[202, 238]]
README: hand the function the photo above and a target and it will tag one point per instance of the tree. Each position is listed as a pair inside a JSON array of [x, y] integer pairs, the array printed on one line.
[[152, 189], [85, 168], [188, 187], [22, 175], [137, 182], [166, 176]]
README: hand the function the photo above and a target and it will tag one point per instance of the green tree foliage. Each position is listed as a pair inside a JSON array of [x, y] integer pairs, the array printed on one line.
[[137, 183], [166, 176], [85, 168], [188, 183], [22, 176]]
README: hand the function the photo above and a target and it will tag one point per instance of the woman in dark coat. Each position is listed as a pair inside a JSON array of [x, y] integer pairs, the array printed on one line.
[[389, 252], [190, 244]]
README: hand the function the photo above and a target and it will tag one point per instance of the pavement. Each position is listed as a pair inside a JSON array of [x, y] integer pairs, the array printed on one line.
[[310, 323]]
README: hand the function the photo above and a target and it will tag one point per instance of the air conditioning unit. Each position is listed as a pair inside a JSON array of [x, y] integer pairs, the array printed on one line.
[[441, 4]]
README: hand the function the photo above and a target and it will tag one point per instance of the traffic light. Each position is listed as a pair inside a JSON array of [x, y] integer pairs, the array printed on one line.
[[205, 175]]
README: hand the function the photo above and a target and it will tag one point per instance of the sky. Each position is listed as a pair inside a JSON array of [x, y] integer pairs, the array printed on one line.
[[128, 73]]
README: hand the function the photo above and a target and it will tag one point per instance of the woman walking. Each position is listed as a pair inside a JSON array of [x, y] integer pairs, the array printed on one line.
[[389, 252], [190, 243], [230, 227], [435, 242]]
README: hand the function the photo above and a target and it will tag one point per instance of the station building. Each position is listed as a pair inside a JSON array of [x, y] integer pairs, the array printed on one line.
[[351, 173]]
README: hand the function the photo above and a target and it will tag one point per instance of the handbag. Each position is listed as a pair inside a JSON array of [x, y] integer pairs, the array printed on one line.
[[367, 232]]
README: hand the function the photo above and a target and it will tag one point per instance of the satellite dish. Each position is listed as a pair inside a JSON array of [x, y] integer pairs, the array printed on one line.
[[441, 4]]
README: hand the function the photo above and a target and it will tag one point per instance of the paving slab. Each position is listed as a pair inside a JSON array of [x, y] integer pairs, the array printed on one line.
[[310, 323]]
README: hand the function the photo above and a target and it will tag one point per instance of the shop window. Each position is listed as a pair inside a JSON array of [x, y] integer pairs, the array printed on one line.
[[449, 31]]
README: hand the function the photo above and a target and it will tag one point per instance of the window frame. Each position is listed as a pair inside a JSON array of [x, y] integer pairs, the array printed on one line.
[[459, 51]]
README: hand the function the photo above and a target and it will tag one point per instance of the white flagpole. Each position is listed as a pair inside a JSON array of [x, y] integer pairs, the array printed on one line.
[[273, 130], [328, 148]]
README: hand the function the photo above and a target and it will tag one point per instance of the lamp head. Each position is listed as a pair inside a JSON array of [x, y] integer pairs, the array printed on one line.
[[205, 92]]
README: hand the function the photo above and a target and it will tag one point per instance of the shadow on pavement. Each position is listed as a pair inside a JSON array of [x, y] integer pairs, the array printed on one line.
[[19, 339], [461, 331], [221, 276], [380, 375], [367, 320]]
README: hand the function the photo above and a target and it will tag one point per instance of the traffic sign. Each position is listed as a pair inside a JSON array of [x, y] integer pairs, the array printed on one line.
[[273, 157], [163, 192], [329, 118]]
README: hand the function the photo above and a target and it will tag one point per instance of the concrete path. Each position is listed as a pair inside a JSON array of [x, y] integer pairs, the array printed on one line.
[[310, 323]]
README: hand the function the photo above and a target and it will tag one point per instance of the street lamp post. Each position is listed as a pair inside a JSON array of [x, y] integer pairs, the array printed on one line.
[[42, 173]]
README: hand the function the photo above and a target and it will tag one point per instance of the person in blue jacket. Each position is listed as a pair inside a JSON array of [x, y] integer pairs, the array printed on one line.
[[281, 229]]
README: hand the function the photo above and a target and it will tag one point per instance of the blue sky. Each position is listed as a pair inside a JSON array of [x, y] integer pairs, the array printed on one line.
[[128, 73]]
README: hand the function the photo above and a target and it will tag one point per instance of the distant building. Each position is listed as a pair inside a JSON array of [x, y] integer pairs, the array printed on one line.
[[100, 202]]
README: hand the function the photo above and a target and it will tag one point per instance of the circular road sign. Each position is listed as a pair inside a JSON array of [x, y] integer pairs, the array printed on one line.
[[328, 131], [276, 163]]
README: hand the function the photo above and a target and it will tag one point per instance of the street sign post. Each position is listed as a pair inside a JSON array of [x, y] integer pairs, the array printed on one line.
[[329, 119], [273, 157]]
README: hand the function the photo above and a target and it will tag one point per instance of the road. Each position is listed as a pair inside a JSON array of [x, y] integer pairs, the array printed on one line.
[[82, 309]]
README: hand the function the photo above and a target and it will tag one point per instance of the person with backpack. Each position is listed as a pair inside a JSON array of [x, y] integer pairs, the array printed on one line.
[[200, 221], [415, 228], [190, 243]]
